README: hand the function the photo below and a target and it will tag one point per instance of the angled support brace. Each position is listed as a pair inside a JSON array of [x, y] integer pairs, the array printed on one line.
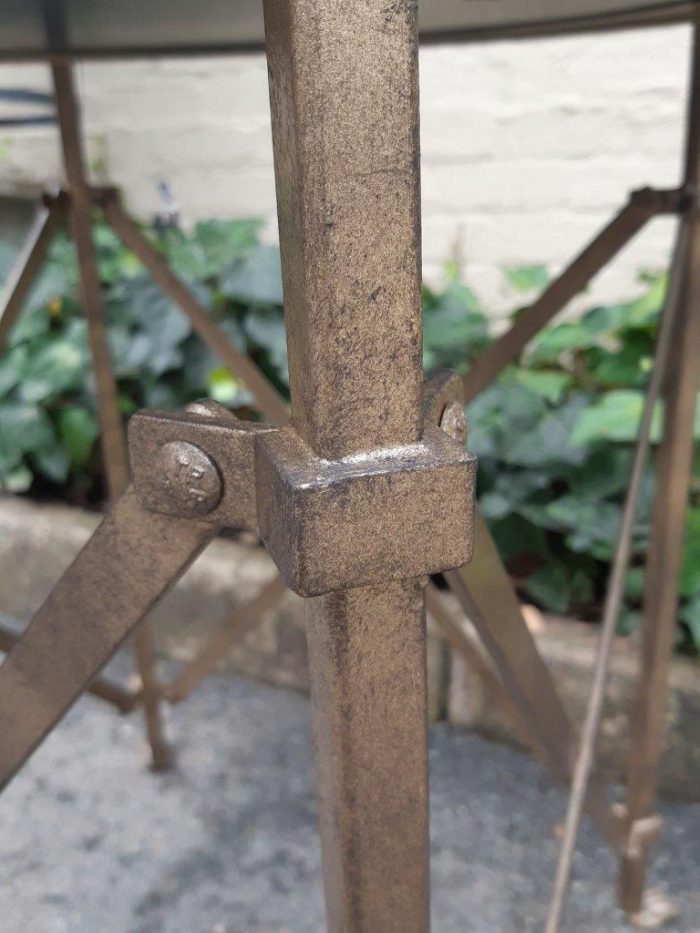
[[268, 399], [48, 219], [123, 699], [486, 594], [641, 207], [132, 558]]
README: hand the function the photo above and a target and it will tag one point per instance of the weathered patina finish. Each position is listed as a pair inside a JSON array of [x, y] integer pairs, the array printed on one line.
[[344, 96]]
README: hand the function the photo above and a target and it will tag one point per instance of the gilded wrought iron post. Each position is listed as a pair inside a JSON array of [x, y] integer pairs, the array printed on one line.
[[344, 95]]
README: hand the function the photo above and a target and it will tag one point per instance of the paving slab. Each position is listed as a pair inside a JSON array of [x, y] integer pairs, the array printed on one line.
[[91, 840]]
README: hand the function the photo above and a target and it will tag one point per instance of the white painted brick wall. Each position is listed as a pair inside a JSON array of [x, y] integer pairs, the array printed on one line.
[[527, 146]]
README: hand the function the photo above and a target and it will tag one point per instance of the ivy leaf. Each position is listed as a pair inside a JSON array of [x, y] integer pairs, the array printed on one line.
[[634, 583], [210, 247], [264, 328], [495, 506], [550, 440], [12, 364], [17, 480], [162, 395], [224, 240], [550, 586], [255, 279], [33, 322], [552, 342], [53, 462], [605, 472], [159, 317], [628, 366], [551, 385], [223, 386], [25, 428], [515, 536], [78, 430], [454, 328], [592, 525], [613, 417], [57, 366], [644, 310], [690, 615], [527, 278], [690, 570]]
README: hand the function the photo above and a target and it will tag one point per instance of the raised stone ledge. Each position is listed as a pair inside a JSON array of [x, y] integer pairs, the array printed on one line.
[[37, 542]]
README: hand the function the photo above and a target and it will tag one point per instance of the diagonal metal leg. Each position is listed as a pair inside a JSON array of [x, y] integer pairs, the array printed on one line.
[[462, 645], [124, 700], [625, 225], [48, 218], [133, 557], [486, 594], [111, 424], [270, 402]]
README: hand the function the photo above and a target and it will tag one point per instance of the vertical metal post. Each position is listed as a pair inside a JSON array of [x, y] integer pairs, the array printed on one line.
[[673, 475], [344, 96], [113, 436]]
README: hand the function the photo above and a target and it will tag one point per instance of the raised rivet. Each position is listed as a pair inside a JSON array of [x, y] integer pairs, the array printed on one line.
[[189, 478], [454, 422]]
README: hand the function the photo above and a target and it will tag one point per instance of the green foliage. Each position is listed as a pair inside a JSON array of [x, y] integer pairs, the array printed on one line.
[[48, 421], [555, 437], [554, 434]]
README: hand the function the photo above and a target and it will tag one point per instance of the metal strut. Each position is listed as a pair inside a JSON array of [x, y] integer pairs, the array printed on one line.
[[615, 591]]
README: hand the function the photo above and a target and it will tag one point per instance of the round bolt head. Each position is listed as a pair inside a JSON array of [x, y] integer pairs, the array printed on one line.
[[454, 422], [189, 478], [208, 408]]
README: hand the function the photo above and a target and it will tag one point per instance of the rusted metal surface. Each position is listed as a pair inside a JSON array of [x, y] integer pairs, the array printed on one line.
[[124, 700], [440, 407], [344, 98], [132, 558], [640, 208], [664, 556], [21, 278], [268, 399]]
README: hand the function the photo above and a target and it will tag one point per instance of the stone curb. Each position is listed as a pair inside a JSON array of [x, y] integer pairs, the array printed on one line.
[[39, 541]]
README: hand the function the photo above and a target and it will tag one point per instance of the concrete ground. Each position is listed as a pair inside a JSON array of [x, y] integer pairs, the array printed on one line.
[[92, 841]]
